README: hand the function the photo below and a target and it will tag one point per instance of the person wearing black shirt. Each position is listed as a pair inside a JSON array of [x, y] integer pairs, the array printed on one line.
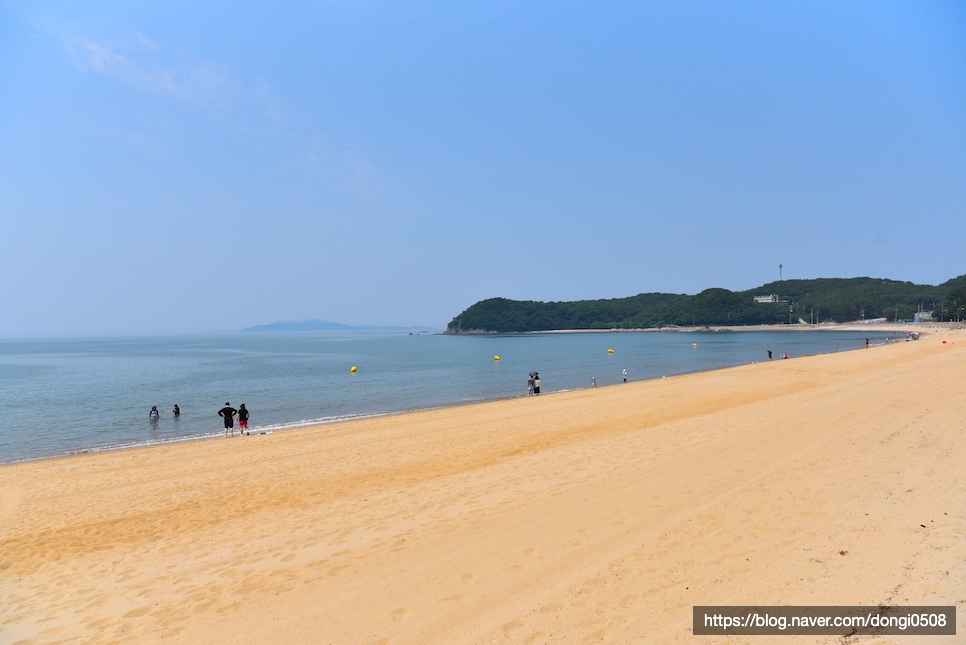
[[243, 415], [228, 414]]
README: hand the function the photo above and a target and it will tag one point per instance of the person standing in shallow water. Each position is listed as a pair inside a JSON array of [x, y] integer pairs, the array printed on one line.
[[154, 414], [176, 411], [625, 376], [536, 385], [769, 354], [227, 413]]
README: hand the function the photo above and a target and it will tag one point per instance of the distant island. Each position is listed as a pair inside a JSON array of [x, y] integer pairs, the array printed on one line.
[[325, 325], [821, 300]]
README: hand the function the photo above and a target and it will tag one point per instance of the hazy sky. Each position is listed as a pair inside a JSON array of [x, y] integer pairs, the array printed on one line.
[[196, 166]]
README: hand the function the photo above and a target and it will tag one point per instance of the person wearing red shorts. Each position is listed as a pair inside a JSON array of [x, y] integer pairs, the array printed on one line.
[[243, 415]]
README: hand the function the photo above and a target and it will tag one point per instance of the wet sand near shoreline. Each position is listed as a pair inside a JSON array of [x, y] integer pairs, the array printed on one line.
[[595, 516]]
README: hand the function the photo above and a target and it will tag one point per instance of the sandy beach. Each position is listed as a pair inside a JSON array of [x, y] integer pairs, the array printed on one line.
[[595, 516]]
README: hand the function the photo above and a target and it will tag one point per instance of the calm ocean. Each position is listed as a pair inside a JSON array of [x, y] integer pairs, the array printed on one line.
[[62, 396]]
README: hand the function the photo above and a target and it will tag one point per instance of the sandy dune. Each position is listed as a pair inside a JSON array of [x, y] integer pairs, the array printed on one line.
[[599, 516]]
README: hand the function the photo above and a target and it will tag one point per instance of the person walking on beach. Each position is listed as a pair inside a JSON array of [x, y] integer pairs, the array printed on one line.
[[593, 382], [154, 414], [176, 411], [867, 343], [227, 413], [625, 376], [769, 354], [530, 386], [243, 415], [536, 385]]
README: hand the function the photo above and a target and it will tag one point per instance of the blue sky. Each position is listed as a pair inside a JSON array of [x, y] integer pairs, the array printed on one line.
[[189, 167]]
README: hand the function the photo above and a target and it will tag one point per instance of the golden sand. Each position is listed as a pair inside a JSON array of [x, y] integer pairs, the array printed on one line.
[[598, 516]]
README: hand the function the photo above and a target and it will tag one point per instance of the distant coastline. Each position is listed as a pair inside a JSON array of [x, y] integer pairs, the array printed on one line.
[[326, 325]]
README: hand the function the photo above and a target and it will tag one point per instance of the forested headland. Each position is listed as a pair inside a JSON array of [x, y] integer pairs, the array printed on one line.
[[820, 300]]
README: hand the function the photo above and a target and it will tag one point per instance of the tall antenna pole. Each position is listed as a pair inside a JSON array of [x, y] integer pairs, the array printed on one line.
[[779, 273]]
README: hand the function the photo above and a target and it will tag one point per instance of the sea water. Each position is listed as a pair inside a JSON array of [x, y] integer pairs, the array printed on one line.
[[64, 396]]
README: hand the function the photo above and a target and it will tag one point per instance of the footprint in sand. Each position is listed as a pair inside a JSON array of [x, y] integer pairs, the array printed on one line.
[[510, 628], [401, 614], [468, 577]]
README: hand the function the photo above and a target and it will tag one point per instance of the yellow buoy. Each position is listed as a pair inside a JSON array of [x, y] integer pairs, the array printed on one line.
[[496, 358], [610, 351], [353, 369], [694, 344]]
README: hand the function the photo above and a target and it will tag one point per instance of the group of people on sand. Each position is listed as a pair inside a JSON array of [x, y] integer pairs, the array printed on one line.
[[533, 384], [229, 413], [782, 356]]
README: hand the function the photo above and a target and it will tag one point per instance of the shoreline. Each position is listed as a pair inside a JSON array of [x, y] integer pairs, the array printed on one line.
[[597, 515], [329, 421], [851, 326]]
